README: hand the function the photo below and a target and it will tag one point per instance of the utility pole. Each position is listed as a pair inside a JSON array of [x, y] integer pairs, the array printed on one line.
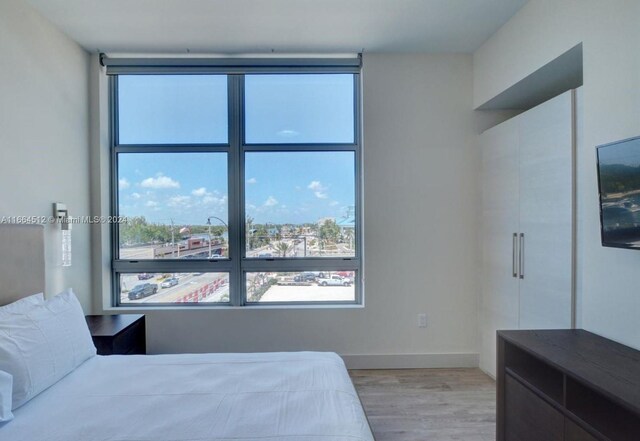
[[209, 222], [173, 241]]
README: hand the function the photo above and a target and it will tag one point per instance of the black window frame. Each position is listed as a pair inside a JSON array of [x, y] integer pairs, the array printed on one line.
[[238, 265]]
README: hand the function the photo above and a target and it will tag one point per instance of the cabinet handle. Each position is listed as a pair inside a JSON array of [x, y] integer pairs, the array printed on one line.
[[514, 262], [521, 250]]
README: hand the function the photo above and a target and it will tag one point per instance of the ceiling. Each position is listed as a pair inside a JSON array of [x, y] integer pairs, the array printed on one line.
[[281, 26]]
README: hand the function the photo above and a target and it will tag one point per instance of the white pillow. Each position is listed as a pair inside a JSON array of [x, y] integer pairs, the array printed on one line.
[[43, 344], [6, 385], [23, 304]]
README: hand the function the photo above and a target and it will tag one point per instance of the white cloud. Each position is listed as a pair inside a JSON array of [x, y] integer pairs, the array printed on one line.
[[151, 204], [252, 181], [202, 191], [123, 184], [214, 200], [270, 202], [210, 198], [159, 182], [287, 133], [318, 189], [333, 203], [179, 201], [136, 195], [314, 185]]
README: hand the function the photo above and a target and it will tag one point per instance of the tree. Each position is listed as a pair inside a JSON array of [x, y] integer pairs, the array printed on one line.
[[329, 231], [138, 231], [348, 234], [249, 231], [283, 248], [217, 232], [257, 234], [249, 223]]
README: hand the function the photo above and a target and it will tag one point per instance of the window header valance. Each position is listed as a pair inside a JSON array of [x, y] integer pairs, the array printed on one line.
[[132, 66]]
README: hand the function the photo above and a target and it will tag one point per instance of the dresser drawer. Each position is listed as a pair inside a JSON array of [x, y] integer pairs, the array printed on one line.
[[528, 417], [573, 432]]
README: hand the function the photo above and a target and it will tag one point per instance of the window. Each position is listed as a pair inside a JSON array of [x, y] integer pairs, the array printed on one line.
[[172, 109], [286, 109], [305, 199], [238, 188]]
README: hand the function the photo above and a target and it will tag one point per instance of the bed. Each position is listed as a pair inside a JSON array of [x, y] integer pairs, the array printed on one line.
[[188, 397]]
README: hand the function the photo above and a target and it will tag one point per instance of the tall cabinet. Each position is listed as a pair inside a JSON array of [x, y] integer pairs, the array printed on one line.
[[528, 187]]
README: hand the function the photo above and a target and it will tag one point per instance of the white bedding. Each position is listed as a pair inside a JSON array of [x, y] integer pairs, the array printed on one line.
[[300, 396]]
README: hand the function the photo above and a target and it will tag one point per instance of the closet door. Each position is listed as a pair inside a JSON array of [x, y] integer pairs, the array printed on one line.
[[546, 214], [499, 305]]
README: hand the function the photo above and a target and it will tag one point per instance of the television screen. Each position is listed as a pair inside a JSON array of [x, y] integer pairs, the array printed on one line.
[[619, 181]]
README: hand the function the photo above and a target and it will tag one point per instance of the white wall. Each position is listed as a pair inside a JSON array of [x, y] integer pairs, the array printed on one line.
[[609, 298], [420, 168], [44, 135]]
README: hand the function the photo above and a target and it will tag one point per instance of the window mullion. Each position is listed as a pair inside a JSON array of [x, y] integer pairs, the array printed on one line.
[[236, 220], [295, 265]]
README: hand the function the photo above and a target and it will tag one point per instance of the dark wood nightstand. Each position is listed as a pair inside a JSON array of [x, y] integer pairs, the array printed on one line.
[[122, 334]]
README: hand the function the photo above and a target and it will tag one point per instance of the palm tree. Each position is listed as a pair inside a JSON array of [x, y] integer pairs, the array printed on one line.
[[283, 248], [348, 233], [248, 227]]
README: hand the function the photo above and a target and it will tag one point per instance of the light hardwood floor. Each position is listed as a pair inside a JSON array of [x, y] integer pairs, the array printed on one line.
[[428, 404]]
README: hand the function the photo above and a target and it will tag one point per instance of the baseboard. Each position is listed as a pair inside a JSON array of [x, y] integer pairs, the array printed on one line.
[[411, 361]]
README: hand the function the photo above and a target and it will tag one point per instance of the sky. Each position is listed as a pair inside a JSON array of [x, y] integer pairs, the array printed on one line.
[[624, 153], [294, 187]]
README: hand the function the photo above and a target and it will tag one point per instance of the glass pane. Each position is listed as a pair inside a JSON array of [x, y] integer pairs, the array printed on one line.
[[299, 108], [175, 205], [174, 288], [172, 109], [307, 286], [300, 204]]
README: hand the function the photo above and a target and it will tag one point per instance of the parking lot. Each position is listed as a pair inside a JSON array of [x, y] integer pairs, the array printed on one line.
[[313, 293], [214, 287], [188, 284]]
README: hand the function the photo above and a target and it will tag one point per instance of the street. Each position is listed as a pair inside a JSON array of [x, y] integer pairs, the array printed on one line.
[[188, 283]]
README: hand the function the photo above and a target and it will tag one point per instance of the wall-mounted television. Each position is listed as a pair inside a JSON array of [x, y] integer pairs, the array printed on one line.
[[619, 183]]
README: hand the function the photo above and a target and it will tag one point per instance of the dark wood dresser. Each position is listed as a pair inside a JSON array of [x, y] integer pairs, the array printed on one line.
[[566, 385], [121, 334]]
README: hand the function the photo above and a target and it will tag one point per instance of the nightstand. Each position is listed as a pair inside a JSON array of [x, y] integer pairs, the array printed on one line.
[[122, 334]]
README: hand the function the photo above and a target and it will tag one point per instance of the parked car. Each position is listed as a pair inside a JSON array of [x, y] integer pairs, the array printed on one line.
[[300, 278], [292, 281], [145, 276], [168, 283], [334, 280], [309, 276], [143, 290]]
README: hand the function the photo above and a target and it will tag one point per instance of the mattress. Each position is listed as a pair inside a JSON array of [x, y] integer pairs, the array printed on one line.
[[301, 396]]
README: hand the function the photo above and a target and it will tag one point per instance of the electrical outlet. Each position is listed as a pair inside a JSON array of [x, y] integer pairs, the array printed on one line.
[[422, 320]]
